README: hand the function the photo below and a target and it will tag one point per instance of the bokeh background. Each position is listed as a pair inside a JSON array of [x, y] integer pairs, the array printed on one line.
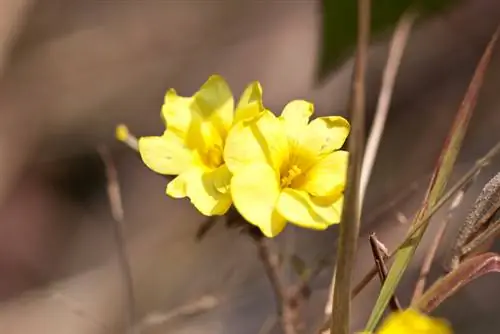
[[71, 70]]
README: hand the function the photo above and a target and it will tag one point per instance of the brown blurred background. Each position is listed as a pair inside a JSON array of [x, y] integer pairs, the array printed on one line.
[[71, 70]]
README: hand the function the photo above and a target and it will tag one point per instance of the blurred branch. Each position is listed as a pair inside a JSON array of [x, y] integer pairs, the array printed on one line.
[[287, 305], [431, 252], [396, 50], [203, 304], [115, 202]]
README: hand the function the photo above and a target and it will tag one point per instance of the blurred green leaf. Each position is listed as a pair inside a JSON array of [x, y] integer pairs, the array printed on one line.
[[339, 25], [440, 177]]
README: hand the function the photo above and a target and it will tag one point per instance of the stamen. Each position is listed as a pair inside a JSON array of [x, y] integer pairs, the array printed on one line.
[[290, 175]]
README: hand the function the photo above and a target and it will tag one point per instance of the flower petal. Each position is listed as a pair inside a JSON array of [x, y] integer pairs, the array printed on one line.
[[301, 209], [204, 119], [255, 191], [325, 135], [252, 93], [201, 188], [411, 321], [250, 103], [177, 113], [260, 139], [177, 187], [327, 176], [166, 154], [295, 117], [214, 102]]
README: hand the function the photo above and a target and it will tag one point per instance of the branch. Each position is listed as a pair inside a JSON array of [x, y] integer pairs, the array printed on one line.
[[115, 202]]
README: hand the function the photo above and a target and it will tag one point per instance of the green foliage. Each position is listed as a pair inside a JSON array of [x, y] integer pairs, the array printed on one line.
[[339, 25]]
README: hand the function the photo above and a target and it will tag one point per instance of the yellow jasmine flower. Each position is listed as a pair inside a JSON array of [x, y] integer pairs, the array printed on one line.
[[413, 322], [193, 142], [287, 168]]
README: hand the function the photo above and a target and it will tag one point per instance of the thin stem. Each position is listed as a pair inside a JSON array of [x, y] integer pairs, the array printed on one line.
[[286, 309], [396, 50], [350, 224], [115, 201]]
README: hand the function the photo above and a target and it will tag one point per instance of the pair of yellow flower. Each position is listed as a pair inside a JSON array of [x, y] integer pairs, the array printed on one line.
[[273, 169]]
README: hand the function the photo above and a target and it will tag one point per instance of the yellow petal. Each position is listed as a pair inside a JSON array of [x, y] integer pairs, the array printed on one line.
[[327, 176], [255, 190], [325, 135], [248, 111], [258, 140], [201, 188], [411, 321], [215, 104], [177, 187], [295, 117], [166, 154], [301, 209], [176, 113], [222, 179], [252, 93], [204, 119], [250, 103]]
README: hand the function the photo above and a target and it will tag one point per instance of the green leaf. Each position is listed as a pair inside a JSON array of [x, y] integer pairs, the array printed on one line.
[[339, 25], [436, 188]]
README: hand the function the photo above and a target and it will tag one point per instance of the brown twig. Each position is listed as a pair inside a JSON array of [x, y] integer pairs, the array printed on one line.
[[379, 258], [448, 285], [115, 201], [485, 160], [396, 50], [156, 319], [350, 223], [286, 305], [431, 252]]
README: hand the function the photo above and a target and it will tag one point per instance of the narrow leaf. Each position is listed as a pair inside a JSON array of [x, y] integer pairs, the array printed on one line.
[[436, 187], [448, 285]]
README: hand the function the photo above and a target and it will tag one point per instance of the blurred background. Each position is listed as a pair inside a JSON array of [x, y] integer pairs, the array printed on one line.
[[71, 70]]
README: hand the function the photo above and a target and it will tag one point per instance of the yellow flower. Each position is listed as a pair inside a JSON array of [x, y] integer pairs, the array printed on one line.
[[287, 168], [412, 322], [193, 142]]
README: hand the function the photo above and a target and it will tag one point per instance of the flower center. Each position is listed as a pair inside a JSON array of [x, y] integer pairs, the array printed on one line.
[[213, 158], [290, 175]]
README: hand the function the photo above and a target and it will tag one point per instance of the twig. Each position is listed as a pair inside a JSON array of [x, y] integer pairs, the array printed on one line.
[[431, 252], [203, 304], [484, 161], [396, 50], [382, 268], [286, 306], [350, 224], [467, 271], [113, 188]]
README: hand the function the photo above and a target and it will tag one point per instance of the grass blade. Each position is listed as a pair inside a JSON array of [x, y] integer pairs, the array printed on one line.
[[437, 185]]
